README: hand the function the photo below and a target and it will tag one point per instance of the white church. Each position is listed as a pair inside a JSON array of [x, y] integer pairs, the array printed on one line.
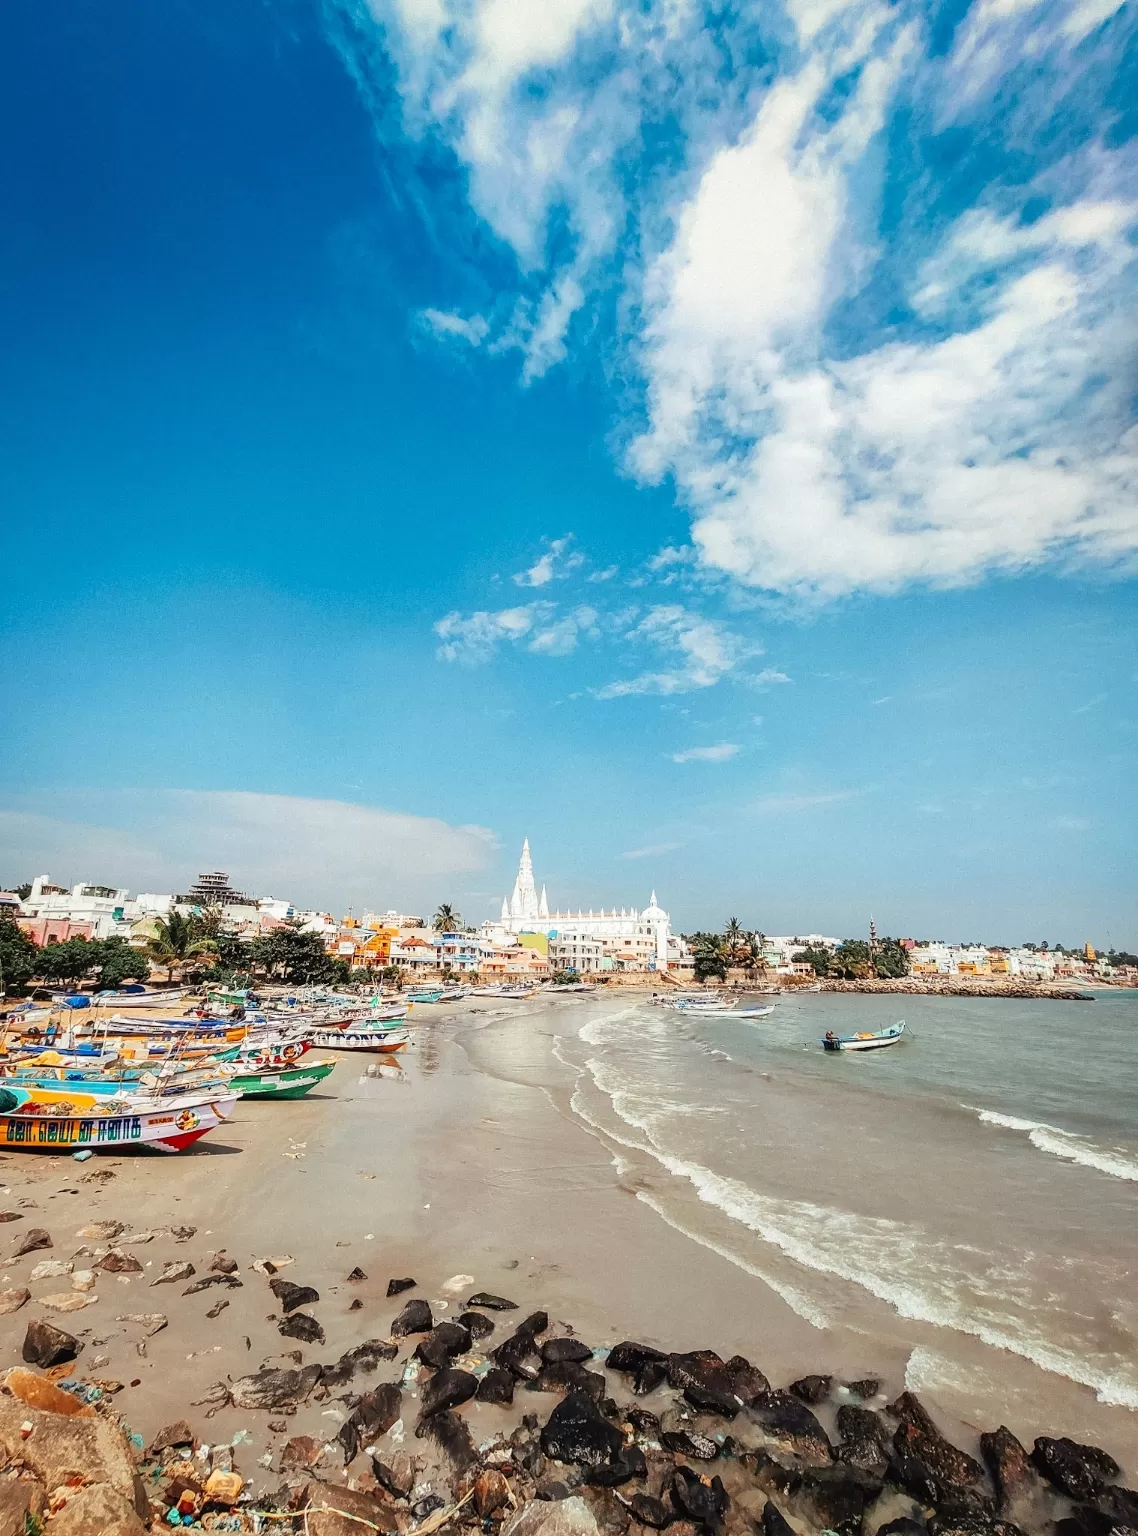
[[580, 938]]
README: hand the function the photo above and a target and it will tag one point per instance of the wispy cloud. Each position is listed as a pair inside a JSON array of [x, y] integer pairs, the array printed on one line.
[[558, 561], [451, 327], [717, 754], [788, 804], [475, 638], [706, 650], [309, 850], [652, 851]]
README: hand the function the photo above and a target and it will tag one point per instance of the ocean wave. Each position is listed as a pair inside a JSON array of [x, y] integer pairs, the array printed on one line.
[[903, 1266], [1065, 1144]]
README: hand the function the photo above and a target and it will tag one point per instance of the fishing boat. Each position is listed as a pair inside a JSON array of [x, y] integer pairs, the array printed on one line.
[[282, 1083], [731, 1013], [129, 997], [702, 1004], [424, 995], [865, 1041], [452, 994], [386, 1040], [70, 1118]]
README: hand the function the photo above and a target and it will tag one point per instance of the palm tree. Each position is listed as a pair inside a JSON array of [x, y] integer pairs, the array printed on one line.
[[736, 943], [447, 919], [176, 941]]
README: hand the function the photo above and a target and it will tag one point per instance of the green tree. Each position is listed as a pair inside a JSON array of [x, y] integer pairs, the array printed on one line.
[[816, 955], [891, 958], [17, 956], [176, 941], [69, 961], [852, 961], [709, 956], [448, 919], [119, 962], [23, 890], [290, 954]]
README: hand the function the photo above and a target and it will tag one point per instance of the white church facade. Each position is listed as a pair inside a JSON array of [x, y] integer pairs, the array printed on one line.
[[583, 940]]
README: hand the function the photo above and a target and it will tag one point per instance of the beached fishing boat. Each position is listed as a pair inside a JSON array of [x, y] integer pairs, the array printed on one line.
[[866, 1041], [284, 1083], [386, 1040], [69, 1118], [702, 1005], [140, 998], [424, 995]]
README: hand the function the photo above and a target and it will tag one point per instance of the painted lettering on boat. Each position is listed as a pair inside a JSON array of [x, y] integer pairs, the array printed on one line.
[[25, 1132]]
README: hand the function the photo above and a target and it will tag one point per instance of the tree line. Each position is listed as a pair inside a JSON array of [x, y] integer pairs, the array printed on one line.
[[737, 948]]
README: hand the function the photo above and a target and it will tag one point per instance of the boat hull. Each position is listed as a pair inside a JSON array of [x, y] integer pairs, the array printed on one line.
[[291, 1083], [866, 1042], [164, 1127], [387, 1041]]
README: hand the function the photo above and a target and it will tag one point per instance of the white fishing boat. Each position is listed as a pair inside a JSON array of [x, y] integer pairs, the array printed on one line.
[[140, 999], [729, 1011], [387, 1041], [866, 1041]]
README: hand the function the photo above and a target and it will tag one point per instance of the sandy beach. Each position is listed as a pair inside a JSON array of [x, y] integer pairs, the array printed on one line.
[[469, 1161]]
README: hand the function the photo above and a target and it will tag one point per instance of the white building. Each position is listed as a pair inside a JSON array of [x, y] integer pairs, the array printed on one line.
[[643, 932]]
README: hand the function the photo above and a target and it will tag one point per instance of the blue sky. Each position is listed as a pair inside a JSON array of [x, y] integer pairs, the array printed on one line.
[[701, 442]]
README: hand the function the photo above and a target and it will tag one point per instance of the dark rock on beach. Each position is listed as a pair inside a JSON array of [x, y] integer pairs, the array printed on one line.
[[868, 1386], [918, 1439], [1019, 1491], [497, 1386], [292, 1296], [568, 1376], [747, 1381], [46, 1346], [697, 1499], [443, 1342], [520, 1355], [775, 1522], [302, 1326], [629, 1464], [553, 1351], [397, 1287], [414, 1318], [830, 1500], [372, 1416], [790, 1426], [451, 1433], [446, 1389], [491, 1302], [577, 1432], [864, 1439], [479, 1327], [33, 1239], [643, 1422], [1080, 1471], [699, 1368], [274, 1388], [687, 1442], [812, 1389], [629, 1358], [724, 1404]]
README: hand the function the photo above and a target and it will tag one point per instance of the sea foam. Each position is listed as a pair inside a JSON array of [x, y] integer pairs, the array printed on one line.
[[1065, 1144]]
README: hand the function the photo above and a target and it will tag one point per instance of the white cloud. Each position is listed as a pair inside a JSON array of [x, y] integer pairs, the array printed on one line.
[[706, 649], [448, 326], [324, 852], [718, 754], [558, 561], [654, 850], [787, 804], [476, 638], [769, 677]]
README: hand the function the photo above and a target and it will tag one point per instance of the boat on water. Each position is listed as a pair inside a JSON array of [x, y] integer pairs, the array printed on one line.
[[388, 1041], [66, 1117], [866, 1041], [729, 1012]]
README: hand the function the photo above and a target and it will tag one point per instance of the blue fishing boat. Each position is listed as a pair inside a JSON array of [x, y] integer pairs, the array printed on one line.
[[864, 1042]]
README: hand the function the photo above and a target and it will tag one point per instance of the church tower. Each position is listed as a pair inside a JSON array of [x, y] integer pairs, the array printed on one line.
[[524, 902]]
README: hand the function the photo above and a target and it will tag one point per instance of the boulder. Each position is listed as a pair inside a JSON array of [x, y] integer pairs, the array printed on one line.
[[333, 1511], [698, 1499], [274, 1388], [478, 1326], [699, 1368], [452, 1435], [650, 1511], [830, 1500], [174, 1271], [397, 1287], [396, 1476], [355, 1275], [724, 1404], [491, 1492], [747, 1381], [631, 1463], [443, 1342], [119, 1263], [292, 1296], [62, 1446], [497, 1386], [50, 1269], [520, 1355], [1082, 1472], [414, 1318], [372, 1416], [66, 1301], [98, 1510], [300, 1453], [1019, 1491], [33, 1239], [812, 1389], [302, 1326], [46, 1346], [610, 1513], [562, 1517], [792, 1428], [492, 1303], [22, 1506], [918, 1439], [536, 1322], [173, 1435], [39, 1392], [643, 1422], [577, 1432], [568, 1376], [13, 1299], [222, 1264], [868, 1386], [102, 1231], [629, 1358], [775, 1522], [652, 1374], [687, 1442], [555, 1351], [864, 1439], [447, 1389]]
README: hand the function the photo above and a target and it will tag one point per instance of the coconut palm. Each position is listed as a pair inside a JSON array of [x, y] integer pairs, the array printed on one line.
[[447, 919], [176, 941]]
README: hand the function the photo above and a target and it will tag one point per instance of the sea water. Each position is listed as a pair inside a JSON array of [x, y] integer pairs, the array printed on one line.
[[974, 1186]]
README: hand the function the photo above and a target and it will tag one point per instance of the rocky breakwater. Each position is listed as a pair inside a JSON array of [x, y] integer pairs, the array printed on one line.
[[462, 1434], [945, 986]]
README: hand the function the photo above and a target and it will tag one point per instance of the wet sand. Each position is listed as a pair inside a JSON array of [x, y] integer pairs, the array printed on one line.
[[467, 1163]]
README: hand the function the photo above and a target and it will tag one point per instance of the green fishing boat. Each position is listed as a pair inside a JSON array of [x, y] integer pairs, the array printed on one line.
[[289, 1083]]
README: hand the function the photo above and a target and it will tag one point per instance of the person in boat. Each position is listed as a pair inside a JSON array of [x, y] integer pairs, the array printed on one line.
[[830, 1035]]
